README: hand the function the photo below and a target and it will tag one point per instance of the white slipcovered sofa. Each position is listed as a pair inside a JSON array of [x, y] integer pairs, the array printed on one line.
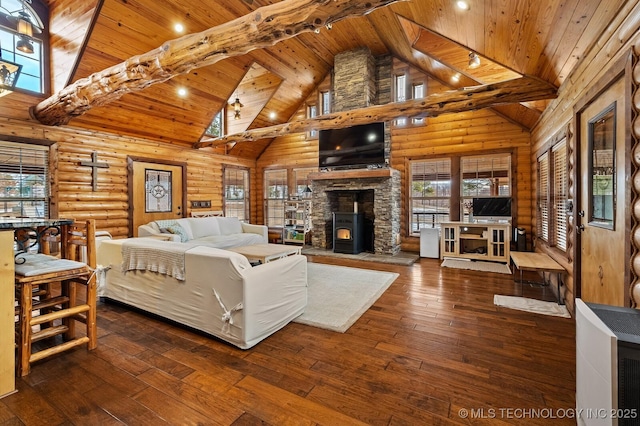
[[212, 290], [219, 232]]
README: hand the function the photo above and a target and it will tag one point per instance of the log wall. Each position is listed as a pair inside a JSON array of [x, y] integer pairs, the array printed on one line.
[[621, 38], [72, 194], [470, 133]]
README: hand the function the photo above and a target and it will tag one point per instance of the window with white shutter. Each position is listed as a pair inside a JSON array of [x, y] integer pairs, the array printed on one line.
[[559, 154], [543, 197]]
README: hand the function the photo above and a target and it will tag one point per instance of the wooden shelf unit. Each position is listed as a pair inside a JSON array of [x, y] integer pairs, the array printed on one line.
[[297, 221], [476, 241]]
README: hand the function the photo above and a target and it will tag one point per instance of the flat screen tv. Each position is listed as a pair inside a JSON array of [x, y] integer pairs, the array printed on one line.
[[492, 207], [352, 147]]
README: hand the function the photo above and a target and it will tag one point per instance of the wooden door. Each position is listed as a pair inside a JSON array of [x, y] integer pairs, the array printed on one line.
[[602, 207], [157, 191]]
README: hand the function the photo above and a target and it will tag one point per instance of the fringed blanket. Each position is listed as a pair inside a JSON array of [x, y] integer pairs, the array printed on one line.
[[157, 256]]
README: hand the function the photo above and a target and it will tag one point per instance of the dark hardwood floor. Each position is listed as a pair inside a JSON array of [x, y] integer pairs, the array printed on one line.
[[433, 350]]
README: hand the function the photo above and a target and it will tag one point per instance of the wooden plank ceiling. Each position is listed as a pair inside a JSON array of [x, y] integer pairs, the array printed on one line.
[[544, 39]]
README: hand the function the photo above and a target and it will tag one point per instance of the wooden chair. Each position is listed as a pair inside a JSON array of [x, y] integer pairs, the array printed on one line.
[[56, 315]]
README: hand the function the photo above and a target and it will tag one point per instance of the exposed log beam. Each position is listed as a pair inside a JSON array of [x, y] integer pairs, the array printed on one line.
[[262, 28], [522, 89]]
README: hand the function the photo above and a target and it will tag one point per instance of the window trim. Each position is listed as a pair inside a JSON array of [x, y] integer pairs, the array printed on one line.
[[414, 86], [547, 150], [312, 112], [325, 102], [281, 199], [435, 222], [400, 79], [46, 150], [246, 190], [223, 122], [40, 10], [456, 197]]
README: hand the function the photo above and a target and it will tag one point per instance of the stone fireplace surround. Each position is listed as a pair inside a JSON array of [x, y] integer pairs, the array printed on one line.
[[377, 192]]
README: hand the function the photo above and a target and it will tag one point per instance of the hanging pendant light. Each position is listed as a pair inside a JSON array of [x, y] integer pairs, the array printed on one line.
[[25, 27], [24, 45], [236, 108], [9, 73]]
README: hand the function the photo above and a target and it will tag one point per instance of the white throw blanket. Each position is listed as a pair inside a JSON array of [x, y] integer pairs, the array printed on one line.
[[157, 256]]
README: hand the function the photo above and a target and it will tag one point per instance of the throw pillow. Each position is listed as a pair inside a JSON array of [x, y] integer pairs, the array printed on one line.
[[178, 230], [229, 225], [165, 223]]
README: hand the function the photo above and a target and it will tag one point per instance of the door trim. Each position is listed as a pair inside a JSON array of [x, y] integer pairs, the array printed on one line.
[[622, 68], [132, 159]]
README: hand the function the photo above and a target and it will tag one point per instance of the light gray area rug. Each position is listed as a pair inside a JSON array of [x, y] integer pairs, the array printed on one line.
[[499, 268], [339, 295], [531, 305]]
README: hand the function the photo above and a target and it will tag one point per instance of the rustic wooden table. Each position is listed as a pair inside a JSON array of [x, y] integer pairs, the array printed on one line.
[[540, 262]]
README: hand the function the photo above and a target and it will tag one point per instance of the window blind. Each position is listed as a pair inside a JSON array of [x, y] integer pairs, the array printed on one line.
[[276, 191], [430, 193], [559, 153], [24, 180], [543, 197], [236, 193]]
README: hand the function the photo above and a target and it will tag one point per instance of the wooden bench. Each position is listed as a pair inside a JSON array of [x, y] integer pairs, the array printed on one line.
[[539, 262]]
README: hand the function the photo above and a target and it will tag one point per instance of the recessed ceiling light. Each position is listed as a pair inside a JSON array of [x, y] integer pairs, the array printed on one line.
[[178, 28], [462, 5], [456, 77], [272, 115], [182, 92]]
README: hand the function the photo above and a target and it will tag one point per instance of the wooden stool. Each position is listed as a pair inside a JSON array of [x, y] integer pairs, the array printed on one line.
[[57, 314]]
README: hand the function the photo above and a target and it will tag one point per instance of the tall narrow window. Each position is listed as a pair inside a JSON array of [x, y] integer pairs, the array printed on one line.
[[400, 94], [276, 190], [216, 128], [484, 176], [24, 180], [26, 47], [560, 196], [430, 193], [543, 197], [418, 93], [312, 112], [325, 100], [236, 193]]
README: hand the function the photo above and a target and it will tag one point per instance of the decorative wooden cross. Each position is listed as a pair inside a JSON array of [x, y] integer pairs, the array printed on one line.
[[94, 165]]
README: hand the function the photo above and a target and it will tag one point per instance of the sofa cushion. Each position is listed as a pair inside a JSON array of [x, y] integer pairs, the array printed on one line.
[[229, 225], [174, 226], [229, 241], [204, 226], [30, 264], [184, 222], [178, 230]]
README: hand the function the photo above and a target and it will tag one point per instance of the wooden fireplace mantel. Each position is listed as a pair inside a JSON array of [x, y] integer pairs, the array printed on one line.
[[352, 174]]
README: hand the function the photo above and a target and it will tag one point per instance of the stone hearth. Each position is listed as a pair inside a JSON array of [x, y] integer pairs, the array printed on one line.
[[377, 193]]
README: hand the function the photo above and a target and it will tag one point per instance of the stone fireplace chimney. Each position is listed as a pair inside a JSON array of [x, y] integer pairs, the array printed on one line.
[[354, 82], [359, 80]]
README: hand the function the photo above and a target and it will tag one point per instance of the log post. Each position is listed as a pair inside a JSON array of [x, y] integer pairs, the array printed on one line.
[[522, 89]]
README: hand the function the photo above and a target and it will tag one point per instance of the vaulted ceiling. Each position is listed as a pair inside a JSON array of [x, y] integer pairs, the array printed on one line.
[[540, 38]]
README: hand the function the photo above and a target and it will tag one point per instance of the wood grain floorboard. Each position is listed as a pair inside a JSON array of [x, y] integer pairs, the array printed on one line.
[[432, 346]]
